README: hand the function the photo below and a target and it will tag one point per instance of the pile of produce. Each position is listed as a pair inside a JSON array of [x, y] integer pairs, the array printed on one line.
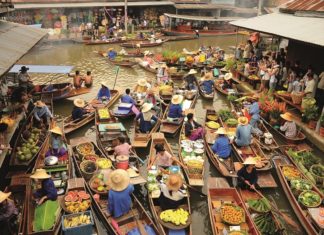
[[310, 198], [290, 172], [192, 153], [91, 157], [98, 184], [237, 233], [152, 183], [85, 149], [317, 171], [259, 205], [177, 217], [231, 122], [282, 92], [77, 201], [232, 98], [300, 184], [212, 117], [28, 147], [265, 224], [165, 90], [225, 114], [213, 125], [75, 221], [103, 113], [232, 214], [104, 163], [254, 77]]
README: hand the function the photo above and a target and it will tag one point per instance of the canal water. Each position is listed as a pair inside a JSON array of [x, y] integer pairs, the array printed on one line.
[[84, 58]]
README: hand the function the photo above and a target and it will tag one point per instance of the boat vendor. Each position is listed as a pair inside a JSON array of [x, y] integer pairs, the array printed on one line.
[[162, 74], [227, 82], [148, 58], [122, 147], [289, 126], [207, 83], [310, 88], [243, 132], [175, 111], [193, 130], [119, 196], [57, 147], [126, 98], [88, 80], [42, 114], [111, 54], [8, 209], [254, 112], [222, 146], [78, 111], [142, 85], [104, 92], [153, 99], [171, 197], [247, 175], [47, 190], [77, 79], [146, 118], [24, 79], [190, 80]]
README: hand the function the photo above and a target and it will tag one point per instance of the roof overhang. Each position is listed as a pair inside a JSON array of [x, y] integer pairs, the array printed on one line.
[[15, 41], [42, 69], [201, 6], [201, 18], [304, 29]]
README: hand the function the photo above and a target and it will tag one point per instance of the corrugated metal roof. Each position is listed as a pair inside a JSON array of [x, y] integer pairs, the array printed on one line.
[[304, 29], [15, 41], [201, 18], [305, 5]]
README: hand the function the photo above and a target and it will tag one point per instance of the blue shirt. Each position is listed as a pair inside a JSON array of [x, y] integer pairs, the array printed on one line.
[[254, 111], [77, 113], [112, 55], [119, 203], [145, 126], [40, 112], [222, 147], [48, 189], [243, 135], [103, 92], [175, 111], [208, 86], [127, 99]]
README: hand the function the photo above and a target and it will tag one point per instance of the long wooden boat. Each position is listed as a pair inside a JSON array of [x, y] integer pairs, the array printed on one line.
[[218, 194], [108, 41], [148, 68], [129, 54], [126, 222], [70, 125], [158, 138], [310, 225], [218, 87], [123, 63], [204, 94], [142, 44]]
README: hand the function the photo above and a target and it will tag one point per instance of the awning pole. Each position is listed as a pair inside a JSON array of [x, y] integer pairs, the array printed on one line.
[[238, 28]]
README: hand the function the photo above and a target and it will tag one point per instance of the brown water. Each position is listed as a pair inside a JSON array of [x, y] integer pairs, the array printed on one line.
[[83, 58]]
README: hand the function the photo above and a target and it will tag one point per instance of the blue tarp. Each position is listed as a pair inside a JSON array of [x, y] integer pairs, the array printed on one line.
[[42, 68]]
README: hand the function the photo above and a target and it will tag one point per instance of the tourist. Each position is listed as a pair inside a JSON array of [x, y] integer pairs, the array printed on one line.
[[247, 175], [285, 74], [146, 118], [193, 130], [57, 146], [119, 196], [77, 79], [47, 190], [310, 88], [104, 92], [247, 51], [207, 83], [42, 114], [78, 111], [227, 84], [292, 77], [190, 80], [122, 148], [222, 146], [171, 197], [126, 98], [142, 86], [8, 210], [289, 127], [112, 54], [175, 111], [162, 74], [243, 132], [273, 75], [24, 79], [88, 80]]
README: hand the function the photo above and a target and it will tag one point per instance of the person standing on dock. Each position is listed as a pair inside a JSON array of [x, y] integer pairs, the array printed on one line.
[[24, 79]]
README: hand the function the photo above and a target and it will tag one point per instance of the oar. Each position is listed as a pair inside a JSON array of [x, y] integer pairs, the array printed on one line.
[[139, 223], [196, 190]]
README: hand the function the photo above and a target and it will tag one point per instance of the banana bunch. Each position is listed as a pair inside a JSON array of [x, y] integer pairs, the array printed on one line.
[[177, 217], [76, 221]]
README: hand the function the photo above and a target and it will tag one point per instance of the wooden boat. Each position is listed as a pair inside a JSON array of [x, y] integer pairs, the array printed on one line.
[[225, 167], [218, 86], [143, 44], [129, 54], [220, 194], [148, 68], [304, 216], [123, 62], [126, 222], [204, 94], [71, 125], [108, 41], [153, 201]]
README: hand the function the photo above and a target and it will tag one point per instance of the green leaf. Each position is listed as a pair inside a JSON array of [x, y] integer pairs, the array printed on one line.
[[45, 215]]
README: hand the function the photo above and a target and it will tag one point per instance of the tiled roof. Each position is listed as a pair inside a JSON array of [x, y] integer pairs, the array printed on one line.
[[304, 5]]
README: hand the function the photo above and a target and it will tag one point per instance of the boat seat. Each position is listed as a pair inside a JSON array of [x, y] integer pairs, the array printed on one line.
[[129, 215]]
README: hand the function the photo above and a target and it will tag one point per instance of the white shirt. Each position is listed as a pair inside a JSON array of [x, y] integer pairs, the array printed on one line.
[[321, 81], [176, 196], [310, 88]]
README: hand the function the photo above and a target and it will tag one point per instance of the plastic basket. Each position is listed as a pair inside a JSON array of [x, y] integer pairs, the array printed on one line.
[[85, 229]]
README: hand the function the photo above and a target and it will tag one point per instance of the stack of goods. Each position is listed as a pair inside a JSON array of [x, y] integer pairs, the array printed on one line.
[[259, 205], [103, 114], [176, 217], [99, 184], [232, 214], [192, 153], [76, 201], [265, 224], [80, 223]]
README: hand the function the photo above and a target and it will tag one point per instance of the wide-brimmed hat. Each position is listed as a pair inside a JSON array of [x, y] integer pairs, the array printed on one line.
[[40, 174], [208, 76], [39, 104], [176, 99], [104, 84], [221, 131], [142, 82], [192, 71], [4, 196], [147, 53], [110, 49], [250, 161], [120, 30], [23, 69], [146, 107], [122, 158], [56, 130], [243, 120], [79, 103], [287, 116], [174, 182], [138, 45], [118, 180], [228, 76]]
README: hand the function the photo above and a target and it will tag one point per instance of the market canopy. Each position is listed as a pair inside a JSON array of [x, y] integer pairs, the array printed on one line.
[[304, 29], [42, 68], [201, 18]]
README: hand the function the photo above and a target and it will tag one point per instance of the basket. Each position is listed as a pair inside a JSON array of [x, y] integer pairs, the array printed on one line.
[[84, 165], [84, 229], [297, 97], [313, 206], [237, 208], [80, 148], [95, 157], [319, 179], [308, 102]]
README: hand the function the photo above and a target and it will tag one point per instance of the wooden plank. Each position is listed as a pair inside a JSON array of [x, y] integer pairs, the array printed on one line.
[[217, 182], [266, 180], [138, 180], [196, 182], [79, 140]]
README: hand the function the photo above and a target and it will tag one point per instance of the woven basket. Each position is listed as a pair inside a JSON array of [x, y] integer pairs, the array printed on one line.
[[297, 97], [84, 165], [319, 179]]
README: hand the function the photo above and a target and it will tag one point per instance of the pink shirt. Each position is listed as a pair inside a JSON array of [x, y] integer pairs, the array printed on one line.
[[165, 159], [122, 149]]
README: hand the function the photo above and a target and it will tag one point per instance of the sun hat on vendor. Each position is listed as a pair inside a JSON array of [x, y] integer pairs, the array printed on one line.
[[104, 84], [146, 53], [40, 174], [164, 66], [287, 116], [174, 182], [138, 45], [39, 104], [208, 76], [118, 180], [56, 130], [228, 76], [221, 131], [243, 121], [176, 99], [4, 196], [110, 49], [250, 161], [142, 82], [146, 107], [79, 103], [192, 71]]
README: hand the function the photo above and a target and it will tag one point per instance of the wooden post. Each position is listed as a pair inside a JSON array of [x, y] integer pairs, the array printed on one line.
[[126, 18]]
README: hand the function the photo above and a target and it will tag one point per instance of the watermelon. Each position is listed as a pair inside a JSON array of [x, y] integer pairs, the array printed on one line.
[[68, 198]]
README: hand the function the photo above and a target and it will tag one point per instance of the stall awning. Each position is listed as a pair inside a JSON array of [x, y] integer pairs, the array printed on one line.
[[15, 41], [201, 18], [42, 68], [304, 29]]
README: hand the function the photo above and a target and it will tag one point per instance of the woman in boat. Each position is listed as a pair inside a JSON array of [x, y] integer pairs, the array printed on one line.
[[142, 86], [247, 175], [104, 92], [8, 209], [153, 99], [193, 130], [111, 54], [227, 82], [289, 126], [42, 114], [122, 147], [119, 197], [222, 146], [78, 111], [254, 112], [146, 118], [191, 80], [175, 111], [148, 58], [162, 74], [171, 197], [57, 146], [207, 83], [243, 132], [47, 190], [126, 98]]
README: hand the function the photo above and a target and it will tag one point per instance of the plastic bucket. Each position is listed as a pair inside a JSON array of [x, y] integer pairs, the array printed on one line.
[[122, 165]]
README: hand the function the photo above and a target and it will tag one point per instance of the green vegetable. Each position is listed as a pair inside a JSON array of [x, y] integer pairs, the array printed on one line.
[[309, 198], [231, 122], [45, 216], [232, 98], [300, 184], [225, 114]]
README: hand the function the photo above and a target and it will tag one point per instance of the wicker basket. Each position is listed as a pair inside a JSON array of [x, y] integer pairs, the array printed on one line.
[[319, 179], [84, 165], [297, 97]]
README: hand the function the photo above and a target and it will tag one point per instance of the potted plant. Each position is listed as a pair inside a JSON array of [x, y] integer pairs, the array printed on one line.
[[321, 131], [311, 115]]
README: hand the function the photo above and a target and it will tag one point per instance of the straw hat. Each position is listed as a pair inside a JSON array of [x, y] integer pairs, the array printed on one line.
[[142, 82], [23, 69], [221, 131], [4, 196], [39, 104], [287, 116], [138, 45], [147, 52], [146, 107], [174, 182], [79, 103], [228, 76], [110, 49], [243, 121], [208, 76], [56, 130], [104, 84], [192, 71], [118, 180], [40, 174], [176, 99], [120, 30], [249, 161]]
